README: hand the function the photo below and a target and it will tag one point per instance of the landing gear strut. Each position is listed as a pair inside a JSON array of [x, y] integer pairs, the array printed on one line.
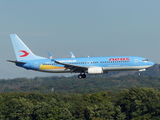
[[80, 76]]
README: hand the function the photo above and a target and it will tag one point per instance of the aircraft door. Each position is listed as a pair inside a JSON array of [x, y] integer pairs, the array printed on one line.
[[135, 61], [36, 65]]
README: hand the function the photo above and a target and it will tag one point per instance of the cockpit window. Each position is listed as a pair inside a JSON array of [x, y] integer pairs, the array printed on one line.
[[145, 60]]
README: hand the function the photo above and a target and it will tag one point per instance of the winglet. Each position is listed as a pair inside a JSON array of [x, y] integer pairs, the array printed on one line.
[[50, 56], [72, 55]]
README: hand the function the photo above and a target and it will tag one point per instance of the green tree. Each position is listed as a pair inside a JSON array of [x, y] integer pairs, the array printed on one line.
[[19, 109], [44, 111], [2, 108], [118, 114], [140, 103]]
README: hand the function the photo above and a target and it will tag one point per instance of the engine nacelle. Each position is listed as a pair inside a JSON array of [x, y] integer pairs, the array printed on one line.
[[142, 70], [95, 70]]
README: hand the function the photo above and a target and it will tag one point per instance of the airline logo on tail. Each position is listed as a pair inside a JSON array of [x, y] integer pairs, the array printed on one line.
[[25, 53]]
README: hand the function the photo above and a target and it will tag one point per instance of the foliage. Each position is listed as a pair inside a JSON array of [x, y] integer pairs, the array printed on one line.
[[130, 97], [132, 104], [66, 85]]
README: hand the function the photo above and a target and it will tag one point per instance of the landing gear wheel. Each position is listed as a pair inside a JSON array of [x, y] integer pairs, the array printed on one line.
[[80, 76], [83, 75]]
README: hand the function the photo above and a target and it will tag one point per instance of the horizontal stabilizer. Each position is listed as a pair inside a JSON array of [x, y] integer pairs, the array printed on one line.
[[16, 62]]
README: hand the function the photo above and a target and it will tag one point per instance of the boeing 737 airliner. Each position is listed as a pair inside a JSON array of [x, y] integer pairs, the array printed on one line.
[[91, 65]]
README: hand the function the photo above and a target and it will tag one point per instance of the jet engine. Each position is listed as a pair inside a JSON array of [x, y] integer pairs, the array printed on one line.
[[95, 70]]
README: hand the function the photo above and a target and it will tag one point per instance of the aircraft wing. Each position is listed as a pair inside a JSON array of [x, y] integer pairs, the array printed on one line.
[[73, 68]]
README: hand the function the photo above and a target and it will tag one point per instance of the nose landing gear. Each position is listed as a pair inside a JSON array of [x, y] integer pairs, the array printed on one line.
[[80, 76]]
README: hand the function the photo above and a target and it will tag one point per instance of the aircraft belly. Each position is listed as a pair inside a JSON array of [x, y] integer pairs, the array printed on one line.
[[114, 68]]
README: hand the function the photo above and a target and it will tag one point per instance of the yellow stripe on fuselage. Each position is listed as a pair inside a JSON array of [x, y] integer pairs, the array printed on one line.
[[50, 67]]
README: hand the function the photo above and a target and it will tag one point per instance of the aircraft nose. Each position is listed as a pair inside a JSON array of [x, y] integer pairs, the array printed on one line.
[[151, 63]]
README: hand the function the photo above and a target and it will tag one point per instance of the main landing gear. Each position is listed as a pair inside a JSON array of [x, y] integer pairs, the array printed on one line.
[[80, 76]]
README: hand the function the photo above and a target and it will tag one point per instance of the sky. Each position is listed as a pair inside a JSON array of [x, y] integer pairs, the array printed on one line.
[[85, 27]]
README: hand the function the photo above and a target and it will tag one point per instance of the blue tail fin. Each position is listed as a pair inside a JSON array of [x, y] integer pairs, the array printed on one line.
[[22, 52]]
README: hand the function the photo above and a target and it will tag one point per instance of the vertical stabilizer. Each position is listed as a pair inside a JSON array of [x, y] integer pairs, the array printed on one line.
[[22, 52]]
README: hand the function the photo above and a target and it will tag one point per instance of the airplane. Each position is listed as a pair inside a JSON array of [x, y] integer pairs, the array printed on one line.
[[25, 58]]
